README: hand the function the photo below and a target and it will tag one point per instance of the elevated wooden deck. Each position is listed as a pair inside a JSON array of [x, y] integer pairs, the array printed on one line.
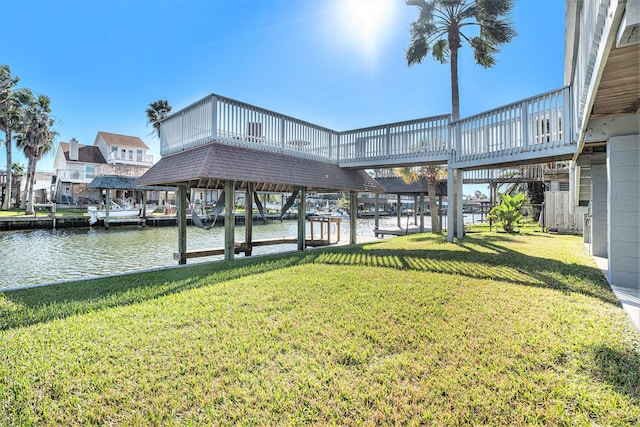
[[528, 131]]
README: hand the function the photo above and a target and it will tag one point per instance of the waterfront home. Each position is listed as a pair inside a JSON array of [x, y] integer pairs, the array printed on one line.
[[592, 123], [76, 165]]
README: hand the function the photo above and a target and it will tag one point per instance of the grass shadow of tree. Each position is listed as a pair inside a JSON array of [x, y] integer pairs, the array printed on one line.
[[30, 306], [618, 368], [465, 258]]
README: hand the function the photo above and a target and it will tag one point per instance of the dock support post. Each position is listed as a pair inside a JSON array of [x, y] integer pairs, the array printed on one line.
[[302, 219], [451, 203], [248, 215], [459, 203], [353, 217], [422, 213], [377, 212], [229, 219], [182, 222], [399, 210], [107, 207], [144, 208], [455, 219]]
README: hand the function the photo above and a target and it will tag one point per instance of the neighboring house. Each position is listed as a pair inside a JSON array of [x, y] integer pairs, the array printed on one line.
[[42, 187], [77, 165]]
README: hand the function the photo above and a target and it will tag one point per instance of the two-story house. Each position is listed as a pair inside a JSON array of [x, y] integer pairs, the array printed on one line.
[[76, 165]]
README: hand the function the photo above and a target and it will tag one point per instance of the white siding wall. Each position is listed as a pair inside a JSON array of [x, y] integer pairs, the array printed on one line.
[[623, 159], [557, 216], [599, 210], [102, 146]]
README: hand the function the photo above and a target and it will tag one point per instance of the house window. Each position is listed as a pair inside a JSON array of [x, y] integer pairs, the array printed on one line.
[[91, 170], [139, 155], [130, 154], [123, 153]]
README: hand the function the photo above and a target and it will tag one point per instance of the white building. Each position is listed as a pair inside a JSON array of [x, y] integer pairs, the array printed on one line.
[[602, 66], [76, 165]]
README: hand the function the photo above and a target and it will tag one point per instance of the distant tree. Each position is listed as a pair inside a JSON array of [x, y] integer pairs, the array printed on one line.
[[535, 194], [17, 169], [439, 29], [11, 113], [479, 195], [430, 173], [157, 111], [35, 138]]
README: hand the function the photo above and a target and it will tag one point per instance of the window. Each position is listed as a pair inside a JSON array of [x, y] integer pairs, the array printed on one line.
[[139, 155], [123, 153], [130, 154], [91, 170]]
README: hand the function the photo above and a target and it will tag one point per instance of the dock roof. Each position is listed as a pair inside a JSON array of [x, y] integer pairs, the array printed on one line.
[[209, 165], [114, 182]]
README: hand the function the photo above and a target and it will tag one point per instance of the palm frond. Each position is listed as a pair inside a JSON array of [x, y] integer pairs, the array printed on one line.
[[408, 174], [483, 52], [440, 51], [497, 31]]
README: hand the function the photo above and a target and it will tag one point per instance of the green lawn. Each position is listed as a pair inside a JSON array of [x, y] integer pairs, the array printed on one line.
[[495, 329]]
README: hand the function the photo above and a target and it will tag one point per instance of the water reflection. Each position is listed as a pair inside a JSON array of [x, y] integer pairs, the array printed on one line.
[[42, 256]]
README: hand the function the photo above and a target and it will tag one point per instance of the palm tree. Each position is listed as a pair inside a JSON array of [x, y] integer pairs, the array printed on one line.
[[11, 113], [430, 173], [157, 111], [35, 139], [17, 171], [439, 29]]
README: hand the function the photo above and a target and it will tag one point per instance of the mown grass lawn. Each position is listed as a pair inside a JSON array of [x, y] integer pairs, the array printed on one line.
[[495, 329]]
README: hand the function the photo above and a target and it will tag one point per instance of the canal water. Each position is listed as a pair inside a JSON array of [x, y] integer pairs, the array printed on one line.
[[34, 257]]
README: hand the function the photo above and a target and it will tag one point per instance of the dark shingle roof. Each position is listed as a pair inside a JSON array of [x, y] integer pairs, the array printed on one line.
[[122, 183], [86, 153], [208, 166], [394, 185]]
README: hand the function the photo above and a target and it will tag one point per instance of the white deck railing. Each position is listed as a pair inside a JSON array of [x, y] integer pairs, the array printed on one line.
[[67, 175], [423, 140], [132, 158], [529, 129], [216, 118], [595, 18], [532, 128]]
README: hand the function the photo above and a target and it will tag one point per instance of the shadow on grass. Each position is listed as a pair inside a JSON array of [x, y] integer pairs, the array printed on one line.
[[620, 369], [495, 262], [30, 306]]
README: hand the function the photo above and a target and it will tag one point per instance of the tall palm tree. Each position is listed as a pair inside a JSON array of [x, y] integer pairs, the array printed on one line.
[[157, 111], [35, 139], [439, 28], [11, 113], [430, 173]]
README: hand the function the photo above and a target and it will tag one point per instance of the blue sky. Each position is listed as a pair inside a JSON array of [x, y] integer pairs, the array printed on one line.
[[338, 63]]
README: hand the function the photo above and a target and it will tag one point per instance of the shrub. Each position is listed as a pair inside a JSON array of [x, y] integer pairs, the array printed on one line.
[[508, 212]]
